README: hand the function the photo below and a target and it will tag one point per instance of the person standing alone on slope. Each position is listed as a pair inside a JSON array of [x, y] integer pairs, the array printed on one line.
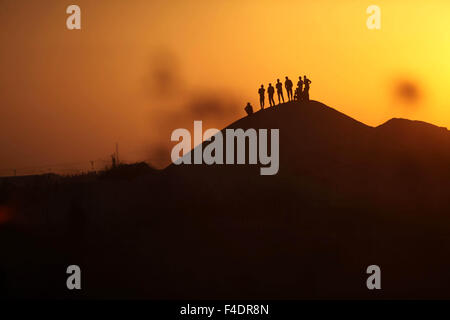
[[279, 86]]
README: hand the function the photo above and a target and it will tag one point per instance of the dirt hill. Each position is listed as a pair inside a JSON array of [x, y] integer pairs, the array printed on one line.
[[346, 196]]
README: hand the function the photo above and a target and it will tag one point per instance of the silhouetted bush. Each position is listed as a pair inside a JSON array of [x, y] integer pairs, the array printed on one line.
[[127, 171]]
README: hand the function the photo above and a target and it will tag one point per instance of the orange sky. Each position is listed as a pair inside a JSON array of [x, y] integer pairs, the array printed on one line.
[[139, 69]]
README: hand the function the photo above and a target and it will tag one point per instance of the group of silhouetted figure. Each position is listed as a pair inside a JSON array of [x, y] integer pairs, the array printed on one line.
[[301, 93]]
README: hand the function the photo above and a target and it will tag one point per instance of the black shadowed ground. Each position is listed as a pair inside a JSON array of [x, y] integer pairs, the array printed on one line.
[[346, 196]]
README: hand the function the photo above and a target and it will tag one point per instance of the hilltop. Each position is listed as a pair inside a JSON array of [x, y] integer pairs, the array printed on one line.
[[322, 146]]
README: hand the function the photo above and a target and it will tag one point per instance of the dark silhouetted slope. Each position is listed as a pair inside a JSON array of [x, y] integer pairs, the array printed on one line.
[[347, 196]]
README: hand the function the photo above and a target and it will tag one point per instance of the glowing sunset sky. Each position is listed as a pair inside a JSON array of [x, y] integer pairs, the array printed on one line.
[[139, 69]]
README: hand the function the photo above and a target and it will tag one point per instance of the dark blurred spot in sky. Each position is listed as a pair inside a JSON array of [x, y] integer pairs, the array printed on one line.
[[163, 77], [408, 91], [174, 104], [207, 105], [216, 109]]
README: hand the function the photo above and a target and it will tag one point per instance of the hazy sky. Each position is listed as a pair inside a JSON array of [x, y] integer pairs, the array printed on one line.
[[139, 69]]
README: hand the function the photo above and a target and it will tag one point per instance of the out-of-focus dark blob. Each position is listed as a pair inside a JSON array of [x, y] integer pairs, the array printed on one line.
[[163, 77], [408, 91], [214, 109], [176, 105], [211, 106]]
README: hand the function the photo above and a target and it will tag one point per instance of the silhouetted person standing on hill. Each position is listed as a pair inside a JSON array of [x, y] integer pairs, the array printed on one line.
[[261, 92], [271, 92], [307, 82], [279, 86], [249, 109], [288, 84], [300, 88]]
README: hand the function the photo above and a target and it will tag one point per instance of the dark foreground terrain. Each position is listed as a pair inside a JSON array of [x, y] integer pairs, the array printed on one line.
[[346, 196]]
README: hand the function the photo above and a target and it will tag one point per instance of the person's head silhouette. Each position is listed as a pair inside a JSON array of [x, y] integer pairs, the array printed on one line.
[[270, 84], [287, 78], [278, 80], [262, 86]]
